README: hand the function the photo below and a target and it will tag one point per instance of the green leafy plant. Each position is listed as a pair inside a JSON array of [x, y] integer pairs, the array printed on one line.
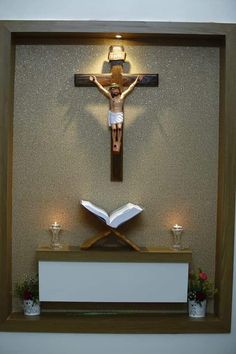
[[200, 287], [28, 288]]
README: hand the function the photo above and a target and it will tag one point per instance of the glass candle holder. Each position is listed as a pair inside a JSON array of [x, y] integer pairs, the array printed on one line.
[[55, 241], [177, 235]]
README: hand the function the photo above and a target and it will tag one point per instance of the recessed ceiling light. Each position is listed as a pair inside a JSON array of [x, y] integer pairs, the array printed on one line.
[[118, 36]]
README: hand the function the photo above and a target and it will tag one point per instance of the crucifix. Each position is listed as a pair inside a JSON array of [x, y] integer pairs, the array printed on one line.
[[116, 81]]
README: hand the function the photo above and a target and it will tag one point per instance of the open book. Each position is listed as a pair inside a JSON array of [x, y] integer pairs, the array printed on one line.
[[117, 217]]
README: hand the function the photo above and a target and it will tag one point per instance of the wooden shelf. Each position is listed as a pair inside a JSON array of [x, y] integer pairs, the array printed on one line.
[[72, 253], [112, 323]]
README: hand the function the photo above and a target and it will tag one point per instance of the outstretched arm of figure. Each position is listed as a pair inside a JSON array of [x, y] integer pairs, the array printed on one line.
[[131, 87], [101, 88]]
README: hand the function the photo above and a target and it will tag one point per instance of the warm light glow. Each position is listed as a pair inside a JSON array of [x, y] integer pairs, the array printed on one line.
[[55, 225], [118, 36]]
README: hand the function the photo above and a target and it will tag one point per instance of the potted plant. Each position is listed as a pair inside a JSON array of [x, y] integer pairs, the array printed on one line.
[[28, 291], [199, 291]]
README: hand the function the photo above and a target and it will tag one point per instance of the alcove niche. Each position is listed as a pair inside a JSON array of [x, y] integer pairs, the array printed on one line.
[[188, 130]]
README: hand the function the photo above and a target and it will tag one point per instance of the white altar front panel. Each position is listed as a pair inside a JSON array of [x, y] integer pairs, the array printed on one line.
[[112, 281]]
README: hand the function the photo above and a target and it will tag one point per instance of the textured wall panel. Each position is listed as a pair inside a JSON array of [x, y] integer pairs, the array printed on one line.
[[62, 148]]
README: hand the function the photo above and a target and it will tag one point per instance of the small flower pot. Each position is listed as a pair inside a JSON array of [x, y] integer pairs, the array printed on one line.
[[197, 309], [31, 308]]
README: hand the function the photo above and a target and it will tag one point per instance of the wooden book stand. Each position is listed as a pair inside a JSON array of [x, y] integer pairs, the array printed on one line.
[[90, 242]]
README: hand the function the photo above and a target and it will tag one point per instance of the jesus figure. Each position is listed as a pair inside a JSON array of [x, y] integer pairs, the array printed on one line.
[[116, 109]]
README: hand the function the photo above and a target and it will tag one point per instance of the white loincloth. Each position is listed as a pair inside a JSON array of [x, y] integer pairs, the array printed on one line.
[[115, 117]]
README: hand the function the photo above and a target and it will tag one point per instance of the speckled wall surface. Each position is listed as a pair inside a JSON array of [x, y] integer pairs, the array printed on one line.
[[62, 148]]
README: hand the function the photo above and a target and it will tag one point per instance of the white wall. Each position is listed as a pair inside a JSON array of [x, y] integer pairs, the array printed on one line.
[[136, 10], [148, 10]]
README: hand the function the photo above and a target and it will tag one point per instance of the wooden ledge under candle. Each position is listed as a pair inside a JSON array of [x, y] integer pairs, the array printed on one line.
[[154, 254]]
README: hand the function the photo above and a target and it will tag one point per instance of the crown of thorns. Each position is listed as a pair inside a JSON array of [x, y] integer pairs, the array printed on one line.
[[114, 85]]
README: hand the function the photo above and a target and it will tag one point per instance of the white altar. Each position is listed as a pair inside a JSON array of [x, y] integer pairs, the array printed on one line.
[[71, 275]]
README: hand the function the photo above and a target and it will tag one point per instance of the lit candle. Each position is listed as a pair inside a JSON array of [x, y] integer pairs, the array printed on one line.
[[177, 231], [55, 242], [55, 225]]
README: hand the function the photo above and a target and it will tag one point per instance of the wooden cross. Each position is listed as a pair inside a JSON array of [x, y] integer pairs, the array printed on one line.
[[116, 58]]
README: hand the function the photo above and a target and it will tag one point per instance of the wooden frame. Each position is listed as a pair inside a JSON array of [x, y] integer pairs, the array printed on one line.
[[221, 35]]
